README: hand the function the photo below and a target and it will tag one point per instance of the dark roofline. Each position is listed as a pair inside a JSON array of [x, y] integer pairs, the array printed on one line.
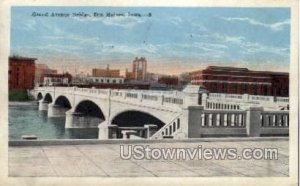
[[227, 68], [245, 70], [22, 58], [57, 75]]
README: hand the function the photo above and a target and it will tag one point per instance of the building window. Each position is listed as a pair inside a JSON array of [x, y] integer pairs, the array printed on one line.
[[114, 81]]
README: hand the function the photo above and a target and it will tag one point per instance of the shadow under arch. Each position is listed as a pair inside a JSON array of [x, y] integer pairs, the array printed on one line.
[[135, 118], [89, 108], [63, 101], [48, 98], [39, 96]]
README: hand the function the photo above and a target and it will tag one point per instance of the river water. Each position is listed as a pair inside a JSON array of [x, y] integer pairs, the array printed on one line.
[[26, 119]]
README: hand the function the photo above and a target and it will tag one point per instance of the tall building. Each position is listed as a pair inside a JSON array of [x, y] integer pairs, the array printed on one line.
[[242, 81], [21, 72], [105, 72], [139, 70]]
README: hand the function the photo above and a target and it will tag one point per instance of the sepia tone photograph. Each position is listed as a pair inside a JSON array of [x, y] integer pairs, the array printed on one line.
[[150, 91]]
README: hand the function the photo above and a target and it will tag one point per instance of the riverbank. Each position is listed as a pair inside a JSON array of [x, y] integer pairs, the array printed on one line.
[[22, 103], [18, 95]]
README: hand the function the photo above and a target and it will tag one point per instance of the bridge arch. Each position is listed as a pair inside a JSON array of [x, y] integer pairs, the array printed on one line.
[[39, 96], [135, 118], [48, 98], [89, 108], [63, 101]]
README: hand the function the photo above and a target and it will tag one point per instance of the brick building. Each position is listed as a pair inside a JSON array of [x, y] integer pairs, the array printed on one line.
[[242, 81], [21, 72], [96, 72], [170, 81]]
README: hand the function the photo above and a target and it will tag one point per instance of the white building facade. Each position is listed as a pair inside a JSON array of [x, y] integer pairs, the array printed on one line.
[[106, 80]]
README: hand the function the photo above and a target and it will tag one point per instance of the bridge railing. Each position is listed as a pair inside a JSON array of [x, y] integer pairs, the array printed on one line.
[[223, 119], [247, 97], [282, 99], [222, 105], [227, 100], [168, 130], [261, 98], [222, 123], [171, 99], [250, 122], [274, 122]]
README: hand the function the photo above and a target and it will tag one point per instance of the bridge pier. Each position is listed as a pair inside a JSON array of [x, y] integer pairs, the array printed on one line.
[[79, 120], [253, 121], [151, 129], [56, 110], [43, 105], [107, 131]]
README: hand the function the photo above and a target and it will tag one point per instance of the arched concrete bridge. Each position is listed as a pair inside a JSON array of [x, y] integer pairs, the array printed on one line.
[[125, 109], [161, 114]]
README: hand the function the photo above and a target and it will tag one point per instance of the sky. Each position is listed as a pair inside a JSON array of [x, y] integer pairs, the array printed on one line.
[[173, 40]]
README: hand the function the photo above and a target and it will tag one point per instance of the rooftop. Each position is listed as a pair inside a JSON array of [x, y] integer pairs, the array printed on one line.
[[227, 68], [56, 75], [236, 69], [22, 58]]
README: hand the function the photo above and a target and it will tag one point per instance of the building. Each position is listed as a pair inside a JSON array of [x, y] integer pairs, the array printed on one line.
[[21, 72], [80, 78], [242, 81], [41, 69], [56, 79], [105, 80], [105, 72], [139, 70], [169, 81]]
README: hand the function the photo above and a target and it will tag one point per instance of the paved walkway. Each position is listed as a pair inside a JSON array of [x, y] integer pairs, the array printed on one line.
[[104, 160]]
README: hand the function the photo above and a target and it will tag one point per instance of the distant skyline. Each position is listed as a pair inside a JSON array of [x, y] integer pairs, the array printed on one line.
[[173, 40]]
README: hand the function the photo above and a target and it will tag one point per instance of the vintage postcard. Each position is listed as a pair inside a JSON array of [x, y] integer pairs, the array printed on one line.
[[139, 93]]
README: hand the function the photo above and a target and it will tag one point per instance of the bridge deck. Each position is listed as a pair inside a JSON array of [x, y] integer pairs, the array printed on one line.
[[105, 160]]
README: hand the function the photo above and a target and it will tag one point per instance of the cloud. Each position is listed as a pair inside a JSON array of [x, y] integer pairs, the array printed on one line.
[[254, 47], [247, 47], [123, 49], [278, 26], [199, 27], [175, 20], [218, 37], [28, 25]]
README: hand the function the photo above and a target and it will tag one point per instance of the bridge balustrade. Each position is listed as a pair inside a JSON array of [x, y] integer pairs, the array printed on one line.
[[169, 130], [282, 99], [274, 122], [222, 123], [271, 102]]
